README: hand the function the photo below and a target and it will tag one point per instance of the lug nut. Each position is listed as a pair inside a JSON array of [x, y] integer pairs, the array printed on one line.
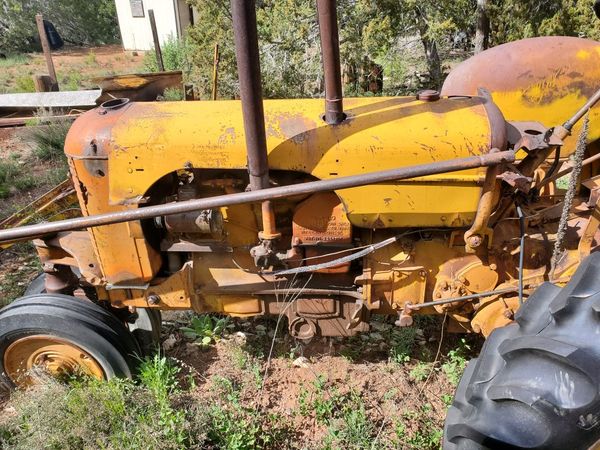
[[153, 299], [475, 240]]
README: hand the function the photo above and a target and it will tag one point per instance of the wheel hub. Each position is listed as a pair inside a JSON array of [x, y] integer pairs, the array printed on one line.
[[53, 355]]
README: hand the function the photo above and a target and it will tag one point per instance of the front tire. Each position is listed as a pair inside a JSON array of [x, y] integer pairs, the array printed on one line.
[[64, 335], [145, 327], [536, 383]]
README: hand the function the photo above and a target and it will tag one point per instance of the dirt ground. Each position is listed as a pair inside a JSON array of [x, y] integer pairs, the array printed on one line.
[[75, 67], [411, 395]]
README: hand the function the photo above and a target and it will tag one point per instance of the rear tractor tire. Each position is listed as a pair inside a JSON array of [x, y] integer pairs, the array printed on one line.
[[62, 336], [536, 383]]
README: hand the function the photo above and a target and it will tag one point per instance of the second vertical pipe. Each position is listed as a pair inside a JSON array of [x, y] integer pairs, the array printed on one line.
[[330, 53], [248, 65]]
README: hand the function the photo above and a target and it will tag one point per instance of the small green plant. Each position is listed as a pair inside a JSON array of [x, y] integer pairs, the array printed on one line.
[[14, 60], [90, 413], [90, 58], [14, 178], [350, 428], [204, 329], [71, 81], [48, 137], [14, 282], [354, 348], [427, 436], [24, 83], [233, 426], [456, 362], [447, 399], [172, 94], [174, 53], [402, 344], [420, 372], [400, 430], [159, 376], [323, 402]]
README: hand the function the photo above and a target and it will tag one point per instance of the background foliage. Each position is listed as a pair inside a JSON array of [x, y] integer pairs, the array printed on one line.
[[414, 41], [79, 22]]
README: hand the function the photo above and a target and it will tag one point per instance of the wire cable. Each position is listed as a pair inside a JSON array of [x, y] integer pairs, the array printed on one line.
[[521, 251]]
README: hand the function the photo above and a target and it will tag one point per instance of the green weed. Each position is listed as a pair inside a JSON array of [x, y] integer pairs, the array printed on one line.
[[14, 178], [71, 81], [351, 428], [447, 399], [172, 95], [205, 329], [456, 362], [232, 426], [323, 402], [174, 53], [244, 361], [89, 413], [48, 138], [14, 282], [159, 376], [427, 436], [90, 58], [420, 372], [14, 60], [345, 415], [24, 83], [402, 344]]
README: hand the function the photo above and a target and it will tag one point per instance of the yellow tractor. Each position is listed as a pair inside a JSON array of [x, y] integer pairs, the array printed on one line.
[[477, 202]]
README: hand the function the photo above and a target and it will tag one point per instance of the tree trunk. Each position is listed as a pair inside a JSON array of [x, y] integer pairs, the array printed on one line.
[[434, 65], [482, 31]]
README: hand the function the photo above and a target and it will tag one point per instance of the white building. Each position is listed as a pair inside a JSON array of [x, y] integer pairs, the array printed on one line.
[[172, 18]]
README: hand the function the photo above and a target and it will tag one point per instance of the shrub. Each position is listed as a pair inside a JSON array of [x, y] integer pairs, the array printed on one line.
[[88, 413], [174, 53], [48, 138], [78, 21], [25, 84]]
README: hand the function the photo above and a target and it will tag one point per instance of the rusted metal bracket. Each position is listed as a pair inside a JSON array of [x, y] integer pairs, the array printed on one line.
[[475, 235], [516, 179]]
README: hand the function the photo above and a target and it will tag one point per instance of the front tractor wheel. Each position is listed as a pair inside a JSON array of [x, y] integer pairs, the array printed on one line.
[[536, 383], [62, 336]]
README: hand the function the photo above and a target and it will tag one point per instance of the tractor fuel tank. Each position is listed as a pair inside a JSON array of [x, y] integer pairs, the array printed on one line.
[[544, 79]]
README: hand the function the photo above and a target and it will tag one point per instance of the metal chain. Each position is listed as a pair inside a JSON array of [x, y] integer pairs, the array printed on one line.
[[570, 194]]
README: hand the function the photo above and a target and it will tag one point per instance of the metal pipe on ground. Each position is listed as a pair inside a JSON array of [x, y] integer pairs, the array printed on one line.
[[330, 52], [248, 64], [149, 212]]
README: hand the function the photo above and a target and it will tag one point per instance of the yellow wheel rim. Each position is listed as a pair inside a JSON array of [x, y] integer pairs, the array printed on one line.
[[51, 354]]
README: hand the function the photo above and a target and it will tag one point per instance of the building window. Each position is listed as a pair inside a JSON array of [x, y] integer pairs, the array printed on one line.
[[137, 8]]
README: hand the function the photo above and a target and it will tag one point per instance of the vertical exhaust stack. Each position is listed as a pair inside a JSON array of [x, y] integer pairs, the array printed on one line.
[[248, 64], [330, 51]]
